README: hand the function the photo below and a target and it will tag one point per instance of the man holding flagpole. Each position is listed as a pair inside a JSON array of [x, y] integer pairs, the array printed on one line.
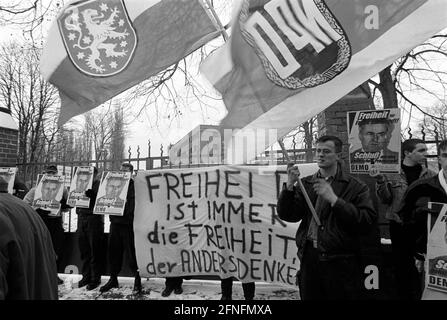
[[329, 245]]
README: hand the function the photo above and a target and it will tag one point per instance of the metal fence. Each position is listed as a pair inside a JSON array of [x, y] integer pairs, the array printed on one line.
[[29, 172]]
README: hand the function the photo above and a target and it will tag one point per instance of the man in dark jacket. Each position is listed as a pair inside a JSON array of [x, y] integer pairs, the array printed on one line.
[[390, 189], [329, 245], [27, 259], [54, 223], [414, 210], [121, 240], [91, 237]]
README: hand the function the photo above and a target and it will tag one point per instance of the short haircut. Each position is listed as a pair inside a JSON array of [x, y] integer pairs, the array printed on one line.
[[337, 142], [410, 144], [442, 146], [128, 165], [389, 124]]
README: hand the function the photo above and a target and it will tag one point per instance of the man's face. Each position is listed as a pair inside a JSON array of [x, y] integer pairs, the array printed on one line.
[[113, 188], [374, 137], [419, 154], [443, 159], [49, 190], [326, 155], [82, 182]]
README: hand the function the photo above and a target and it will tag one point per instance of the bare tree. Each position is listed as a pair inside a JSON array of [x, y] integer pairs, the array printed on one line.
[[421, 71], [435, 126], [31, 100]]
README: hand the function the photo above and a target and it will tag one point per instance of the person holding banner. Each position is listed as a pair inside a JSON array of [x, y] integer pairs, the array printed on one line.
[[329, 237], [27, 259], [226, 286], [390, 189], [91, 237], [122, 239], [54, 223], [414, 210]]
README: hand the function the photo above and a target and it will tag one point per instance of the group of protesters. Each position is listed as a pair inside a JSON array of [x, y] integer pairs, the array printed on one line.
[[338, 224], [332, 236]]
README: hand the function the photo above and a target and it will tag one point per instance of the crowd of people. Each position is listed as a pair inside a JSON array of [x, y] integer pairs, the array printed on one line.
[[338, 224]]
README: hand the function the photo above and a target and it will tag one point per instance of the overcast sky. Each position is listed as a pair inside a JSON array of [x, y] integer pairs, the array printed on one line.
[[163, 130]]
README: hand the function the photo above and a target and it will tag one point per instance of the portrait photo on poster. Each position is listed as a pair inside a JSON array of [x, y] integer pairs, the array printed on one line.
[[374, 140], [8, 174], [112, 193], [49, 193], [82, 181]]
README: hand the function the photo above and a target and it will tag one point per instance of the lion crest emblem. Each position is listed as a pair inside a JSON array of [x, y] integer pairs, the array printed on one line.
[[98, 36]]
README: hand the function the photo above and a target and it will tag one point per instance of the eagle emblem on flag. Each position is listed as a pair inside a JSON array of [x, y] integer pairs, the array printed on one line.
[[98, 36], [299, 42]]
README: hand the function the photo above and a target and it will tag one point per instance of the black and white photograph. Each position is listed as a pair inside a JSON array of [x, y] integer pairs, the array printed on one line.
[[223, 157]]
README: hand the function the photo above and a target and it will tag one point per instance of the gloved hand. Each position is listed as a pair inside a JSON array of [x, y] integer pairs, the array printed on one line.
[[89, 193]]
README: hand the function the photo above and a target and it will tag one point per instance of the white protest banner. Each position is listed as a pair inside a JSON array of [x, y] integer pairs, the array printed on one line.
[[436, 259], [374, 138], [218, 220], [9, 174], [49, 193], [112, 193], [82, 181]]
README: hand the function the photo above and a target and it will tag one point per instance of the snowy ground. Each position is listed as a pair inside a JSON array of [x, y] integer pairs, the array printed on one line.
[[152, 288]]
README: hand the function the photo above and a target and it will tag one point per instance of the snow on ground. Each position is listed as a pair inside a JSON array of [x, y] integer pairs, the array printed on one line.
[[152, 288]]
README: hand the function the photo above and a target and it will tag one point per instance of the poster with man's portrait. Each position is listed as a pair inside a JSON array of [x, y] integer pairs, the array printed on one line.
[[82, 180], [374, 140], [49, 193], [112, 193], [8, 174], [436, 259]]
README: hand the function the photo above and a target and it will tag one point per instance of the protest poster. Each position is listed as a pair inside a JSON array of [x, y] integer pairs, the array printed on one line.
[[112, 193], [436, 259], [218, 221], [9, 174], [82, 180], [49, 193], [374, 139]]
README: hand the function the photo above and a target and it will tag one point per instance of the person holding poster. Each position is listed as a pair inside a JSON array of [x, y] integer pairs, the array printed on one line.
[[375, 134], [121, 237], [390, 189], [414, 211], [329, 243], [53, 221], [91, 237]]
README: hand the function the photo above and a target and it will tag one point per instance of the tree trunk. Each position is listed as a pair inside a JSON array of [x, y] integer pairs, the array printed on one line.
[[388, 89]]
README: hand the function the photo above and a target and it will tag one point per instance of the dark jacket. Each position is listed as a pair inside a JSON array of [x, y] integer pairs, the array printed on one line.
[[343, 226], [414, 210], [391, 191], [91, 193], [27, 259], [127, 217]]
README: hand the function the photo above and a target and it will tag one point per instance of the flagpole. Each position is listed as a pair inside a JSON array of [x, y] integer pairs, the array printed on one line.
[[219, 24], [300, 184]]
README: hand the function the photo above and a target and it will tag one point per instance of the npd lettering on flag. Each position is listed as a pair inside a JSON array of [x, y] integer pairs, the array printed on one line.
[[288, 60], [98, 49]]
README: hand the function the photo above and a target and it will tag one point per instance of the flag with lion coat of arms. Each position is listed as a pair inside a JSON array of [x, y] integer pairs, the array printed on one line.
[[98, 49]]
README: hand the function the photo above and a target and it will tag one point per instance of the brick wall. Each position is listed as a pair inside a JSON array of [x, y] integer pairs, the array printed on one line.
[[8, 147], [333, 120]]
